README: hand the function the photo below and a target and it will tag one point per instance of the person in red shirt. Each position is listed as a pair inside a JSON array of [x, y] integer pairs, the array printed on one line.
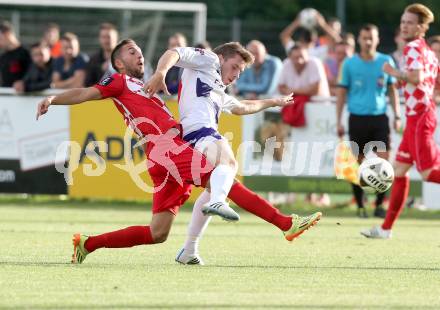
[[51, 38], [172, 163], [417, 146]]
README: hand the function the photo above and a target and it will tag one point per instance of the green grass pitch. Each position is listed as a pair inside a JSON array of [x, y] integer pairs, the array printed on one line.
[[249, 264]]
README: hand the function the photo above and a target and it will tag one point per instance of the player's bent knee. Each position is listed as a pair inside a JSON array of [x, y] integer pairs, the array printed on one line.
[[230, 162], [160, 238], [401, 169]]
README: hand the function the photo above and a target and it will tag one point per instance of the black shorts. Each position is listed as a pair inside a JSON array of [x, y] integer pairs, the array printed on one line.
[[364, 129]]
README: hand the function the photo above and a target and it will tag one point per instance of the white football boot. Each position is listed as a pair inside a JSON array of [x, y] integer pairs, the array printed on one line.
[[186, 258], [376, 232], [221, 209]]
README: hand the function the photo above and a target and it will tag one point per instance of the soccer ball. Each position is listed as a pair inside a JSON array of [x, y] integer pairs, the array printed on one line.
[[376, 174], [307, 18]]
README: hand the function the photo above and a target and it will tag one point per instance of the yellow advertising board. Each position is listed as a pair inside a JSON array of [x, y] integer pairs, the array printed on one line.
[[98, 162]]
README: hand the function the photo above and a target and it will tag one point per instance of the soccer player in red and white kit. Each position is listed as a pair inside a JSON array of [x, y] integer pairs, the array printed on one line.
[[417, 145], [173, 164]]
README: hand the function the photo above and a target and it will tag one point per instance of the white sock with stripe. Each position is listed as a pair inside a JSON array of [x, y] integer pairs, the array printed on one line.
[[198, 224]]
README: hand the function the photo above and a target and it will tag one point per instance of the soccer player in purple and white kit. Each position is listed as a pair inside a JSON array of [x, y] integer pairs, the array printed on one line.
[[202, 98]]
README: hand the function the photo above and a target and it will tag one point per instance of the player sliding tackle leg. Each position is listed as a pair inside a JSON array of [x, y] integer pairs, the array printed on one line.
[[417, 146], [125, 88], [292, 225], [169, 157], [202, 98]]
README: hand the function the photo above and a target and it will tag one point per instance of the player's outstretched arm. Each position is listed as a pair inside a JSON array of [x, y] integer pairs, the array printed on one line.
[[72, 96], [254, 106], [411, 76], [157, 81]]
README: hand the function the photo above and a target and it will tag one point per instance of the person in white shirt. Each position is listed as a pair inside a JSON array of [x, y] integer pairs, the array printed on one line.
[[303, 74], [202, 98]]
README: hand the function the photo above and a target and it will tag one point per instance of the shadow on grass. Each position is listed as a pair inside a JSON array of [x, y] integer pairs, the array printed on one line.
[[210, 267]]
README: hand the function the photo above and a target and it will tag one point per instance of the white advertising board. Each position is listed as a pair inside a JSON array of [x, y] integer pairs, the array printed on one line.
[[22, 137]]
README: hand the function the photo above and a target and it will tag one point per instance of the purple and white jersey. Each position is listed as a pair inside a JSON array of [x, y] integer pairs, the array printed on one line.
[[202, 94]]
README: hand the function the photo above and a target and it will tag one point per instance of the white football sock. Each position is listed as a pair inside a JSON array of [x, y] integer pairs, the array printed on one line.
[[198, 224], [221, 180]]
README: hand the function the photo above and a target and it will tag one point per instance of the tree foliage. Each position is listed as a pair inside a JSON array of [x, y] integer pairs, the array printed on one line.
[[357, 11]]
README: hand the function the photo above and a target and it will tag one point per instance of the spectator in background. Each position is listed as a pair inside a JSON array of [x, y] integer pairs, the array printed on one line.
[[332, 64], [398, 53], [308, 35], [15, 60], [69, 70], [99, 65], [39, 75], [305, 77], [326, 39], [434, 44], [364, 86], [204, 45], [262, 77], [51, 38], [303, 74], [328, 43], [172, 78]]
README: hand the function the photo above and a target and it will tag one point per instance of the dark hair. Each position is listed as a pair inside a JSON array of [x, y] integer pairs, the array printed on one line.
[[369, 27], [107, 26], [37, 45], [231, 49], [296, 46], [6, 27], [117, 51], [304, 35], [203, 45]]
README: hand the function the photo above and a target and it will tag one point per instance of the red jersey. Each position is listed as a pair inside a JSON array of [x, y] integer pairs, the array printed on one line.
[[147, 116], [418, 56], [55, 51]]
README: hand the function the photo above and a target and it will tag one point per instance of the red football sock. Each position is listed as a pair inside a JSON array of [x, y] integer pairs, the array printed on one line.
[[251, 202], [434, 176], [399, 193], [124, 238]]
